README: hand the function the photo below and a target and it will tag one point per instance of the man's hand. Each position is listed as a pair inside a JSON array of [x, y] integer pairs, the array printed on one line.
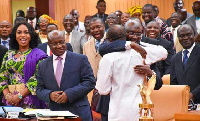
[[62, 98], [139, 49], [55, 95], [143, 69]]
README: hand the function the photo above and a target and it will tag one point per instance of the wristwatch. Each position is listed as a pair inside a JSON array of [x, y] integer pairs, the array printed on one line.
[[20, 96]]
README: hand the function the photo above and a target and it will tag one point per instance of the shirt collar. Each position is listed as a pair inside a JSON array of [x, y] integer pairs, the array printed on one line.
[[62, 56], [190, 49], [70, 32], [32, 20], [5, 40]]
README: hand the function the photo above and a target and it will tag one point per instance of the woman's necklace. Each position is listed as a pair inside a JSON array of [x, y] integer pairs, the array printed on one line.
[[22, 52]]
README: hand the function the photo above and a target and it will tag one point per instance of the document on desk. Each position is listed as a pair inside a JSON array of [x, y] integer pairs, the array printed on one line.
[[48, 113]]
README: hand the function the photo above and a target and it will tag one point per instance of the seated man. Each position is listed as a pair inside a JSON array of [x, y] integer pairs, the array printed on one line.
[[65, 79], [117, 76]]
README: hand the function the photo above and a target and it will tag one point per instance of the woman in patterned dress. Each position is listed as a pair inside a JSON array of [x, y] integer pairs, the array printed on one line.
[[19, 66]]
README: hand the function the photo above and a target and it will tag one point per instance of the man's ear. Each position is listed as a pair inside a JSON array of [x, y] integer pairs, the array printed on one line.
[[96, 7]]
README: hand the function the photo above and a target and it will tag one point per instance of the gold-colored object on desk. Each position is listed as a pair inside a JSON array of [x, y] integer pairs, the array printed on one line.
[[146, 113]]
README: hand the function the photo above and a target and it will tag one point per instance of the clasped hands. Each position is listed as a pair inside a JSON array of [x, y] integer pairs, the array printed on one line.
[[58, 97], [13, 99]]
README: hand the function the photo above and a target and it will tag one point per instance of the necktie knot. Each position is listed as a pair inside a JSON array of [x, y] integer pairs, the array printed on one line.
[[59, 58], [186, 52]]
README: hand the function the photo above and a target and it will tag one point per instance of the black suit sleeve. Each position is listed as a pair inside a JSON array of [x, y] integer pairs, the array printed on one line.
[[170, 51], [3, 51], [173, 78], [115, 46], [159, 81], [69, 47]]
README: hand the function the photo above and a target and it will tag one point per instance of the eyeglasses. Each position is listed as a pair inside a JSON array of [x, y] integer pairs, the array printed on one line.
[[57, 44], [138, 34], [185, 35]]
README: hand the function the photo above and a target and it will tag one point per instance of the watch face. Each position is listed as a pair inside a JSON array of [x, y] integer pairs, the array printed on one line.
[[20, 96]]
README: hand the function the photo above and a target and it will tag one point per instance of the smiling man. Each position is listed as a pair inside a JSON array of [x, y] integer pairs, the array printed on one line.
[[153, 31], [75, 38], [5, 30], [65, 79], [185, 67]]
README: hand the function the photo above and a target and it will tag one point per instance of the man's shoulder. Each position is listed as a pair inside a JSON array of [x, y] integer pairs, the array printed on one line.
[[3, 48]]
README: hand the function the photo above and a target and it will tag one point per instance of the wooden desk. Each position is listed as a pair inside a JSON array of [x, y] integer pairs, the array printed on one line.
[[6, 119], [188, 116]]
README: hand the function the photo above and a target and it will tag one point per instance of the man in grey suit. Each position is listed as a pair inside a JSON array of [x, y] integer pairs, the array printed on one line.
[[194, 21], [75, 38]]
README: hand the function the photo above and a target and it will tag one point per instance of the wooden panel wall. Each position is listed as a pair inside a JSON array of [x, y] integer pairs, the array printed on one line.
[[5, 10], [87, 7]]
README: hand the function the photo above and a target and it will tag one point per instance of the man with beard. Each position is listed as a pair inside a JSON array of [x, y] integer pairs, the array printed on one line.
[[65, 79], [5, 30], [117, 77], [101, 7], [75, 38], [78, 26], [185, 67], [194, 21], [31, 17]]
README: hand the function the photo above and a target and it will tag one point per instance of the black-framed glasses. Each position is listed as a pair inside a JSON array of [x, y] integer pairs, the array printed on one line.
[[138, 34]]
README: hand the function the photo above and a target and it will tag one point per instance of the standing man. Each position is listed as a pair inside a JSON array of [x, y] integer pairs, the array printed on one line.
[[78, 26], [194, 21], [101, 7], [75, 38], [65, 79], [120, 73], [31, 17], [5, 30], [185, 68], [45, 47]]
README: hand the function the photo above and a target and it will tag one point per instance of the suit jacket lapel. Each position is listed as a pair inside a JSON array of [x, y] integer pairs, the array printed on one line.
[[92, 44], [179, 61], [192, 57], [67, 66], [50, 71]]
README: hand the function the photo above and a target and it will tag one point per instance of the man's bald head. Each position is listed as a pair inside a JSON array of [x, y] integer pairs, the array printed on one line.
[[116, 32], [5, 29]]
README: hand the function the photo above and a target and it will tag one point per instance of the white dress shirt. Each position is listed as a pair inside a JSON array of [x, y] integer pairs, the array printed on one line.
[[7, 44], [80, 27], [34, 22], [190, 50], [116, 76], [198, 26], [55, 62]]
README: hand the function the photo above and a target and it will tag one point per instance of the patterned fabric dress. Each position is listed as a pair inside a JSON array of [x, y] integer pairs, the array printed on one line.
[[12, 72]]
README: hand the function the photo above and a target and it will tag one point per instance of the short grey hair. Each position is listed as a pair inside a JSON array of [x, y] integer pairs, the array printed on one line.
[[130, 21], [55, 34]]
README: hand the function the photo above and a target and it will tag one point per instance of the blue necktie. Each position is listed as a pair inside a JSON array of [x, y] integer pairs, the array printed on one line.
[[185, 57], [4, 43], [97, 44]]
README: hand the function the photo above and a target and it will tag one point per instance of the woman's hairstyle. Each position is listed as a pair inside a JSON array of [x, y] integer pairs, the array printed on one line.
[[48, 18], [19, 20], [34, 36]]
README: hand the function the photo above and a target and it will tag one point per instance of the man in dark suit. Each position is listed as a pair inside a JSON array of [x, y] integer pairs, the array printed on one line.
[[45, 47], [5, 30], [194, 21], [65, 79], [101, 7], [3, 51], [31, 17], [185, 67], [153, 32]]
